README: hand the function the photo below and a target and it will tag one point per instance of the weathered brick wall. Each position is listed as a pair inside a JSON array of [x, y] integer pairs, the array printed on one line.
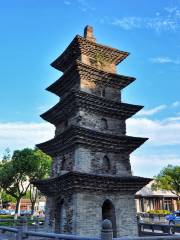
[[87, 160], [49, 216], [94, 122], [88, 210], [59, 214], [62, 163], [98, 88], [99, 63]]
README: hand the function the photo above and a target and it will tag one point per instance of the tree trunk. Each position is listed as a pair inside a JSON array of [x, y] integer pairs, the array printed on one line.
[[32, 207], [33, 198], [17, 210], [17, 205]]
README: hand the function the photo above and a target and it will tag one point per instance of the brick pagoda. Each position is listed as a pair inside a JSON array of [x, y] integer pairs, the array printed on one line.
[[91, 176]]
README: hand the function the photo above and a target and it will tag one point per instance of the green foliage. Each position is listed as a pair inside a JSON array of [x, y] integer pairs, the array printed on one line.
[[98, 60], [42, 163], [14, 173], [10, 223], [7, 198], [159, 212], [25, 165], [7, 217], [7, 155], [168, 179]]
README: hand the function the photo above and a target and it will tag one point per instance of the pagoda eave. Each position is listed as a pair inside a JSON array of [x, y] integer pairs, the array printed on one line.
[[84, 101], [77, 181], [79, 70], [79, 136], [81, 45]]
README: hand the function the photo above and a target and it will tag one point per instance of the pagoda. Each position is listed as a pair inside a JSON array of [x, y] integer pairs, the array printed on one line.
[[91, 177]]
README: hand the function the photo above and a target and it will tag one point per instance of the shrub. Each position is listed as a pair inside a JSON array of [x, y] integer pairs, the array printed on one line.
[[159, 212]]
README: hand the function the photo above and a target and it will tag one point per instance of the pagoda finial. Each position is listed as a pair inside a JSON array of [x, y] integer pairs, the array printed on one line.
[[88, 33]]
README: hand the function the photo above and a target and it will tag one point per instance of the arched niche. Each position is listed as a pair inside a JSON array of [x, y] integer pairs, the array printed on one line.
[[108, 212], [106, 165], [103, 92], [104, 123], [66, 163], [63, 163]]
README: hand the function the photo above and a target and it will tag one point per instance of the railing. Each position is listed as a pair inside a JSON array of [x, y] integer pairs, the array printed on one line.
[[151, 218], [21, 232], [34, 224], [157, 229]]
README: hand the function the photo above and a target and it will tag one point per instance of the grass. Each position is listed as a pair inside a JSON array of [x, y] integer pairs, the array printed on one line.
[[11, 223]]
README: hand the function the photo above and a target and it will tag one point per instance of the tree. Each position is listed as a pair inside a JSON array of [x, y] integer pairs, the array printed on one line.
[[168, 179], [43, 162], [16, 173], [42, 165], [6, 199], [12, 182], [6, 156]]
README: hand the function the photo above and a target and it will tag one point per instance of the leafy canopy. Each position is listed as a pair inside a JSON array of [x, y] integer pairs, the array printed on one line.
[[168, 179], [24, 165]]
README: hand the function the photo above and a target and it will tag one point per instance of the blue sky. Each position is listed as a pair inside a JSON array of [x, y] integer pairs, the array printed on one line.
[[33, 33]]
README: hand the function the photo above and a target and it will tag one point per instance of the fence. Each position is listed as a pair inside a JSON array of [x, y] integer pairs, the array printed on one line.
[[21, 232], [157, 229], [151, 218]]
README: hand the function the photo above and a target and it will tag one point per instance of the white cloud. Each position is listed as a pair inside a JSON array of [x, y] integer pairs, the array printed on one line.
[[164, 60], [128, 23], [166, 20], [67, 2], [17, 135], [160, 23], [151, 111], [155, 163], [176, 104], [173, 119], [173, 11], [85, 6], [165, 132]]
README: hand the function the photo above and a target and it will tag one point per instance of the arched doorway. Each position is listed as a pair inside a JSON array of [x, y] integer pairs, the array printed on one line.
[[108, 212], [59, 217]]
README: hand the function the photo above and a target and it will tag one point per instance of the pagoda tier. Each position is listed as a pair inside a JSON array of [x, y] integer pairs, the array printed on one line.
[[79, 136], [81, 45], [72, 182], [76, 101], [80, 71]]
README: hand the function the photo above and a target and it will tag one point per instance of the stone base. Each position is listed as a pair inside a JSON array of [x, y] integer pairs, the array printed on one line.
[[82, 214]]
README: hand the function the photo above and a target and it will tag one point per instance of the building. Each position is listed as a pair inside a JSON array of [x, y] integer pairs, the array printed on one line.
[[148, 199], [91, 175], [25, 204]]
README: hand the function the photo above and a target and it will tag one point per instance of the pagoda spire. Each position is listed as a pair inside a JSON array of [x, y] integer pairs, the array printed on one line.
[[88, 33]]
